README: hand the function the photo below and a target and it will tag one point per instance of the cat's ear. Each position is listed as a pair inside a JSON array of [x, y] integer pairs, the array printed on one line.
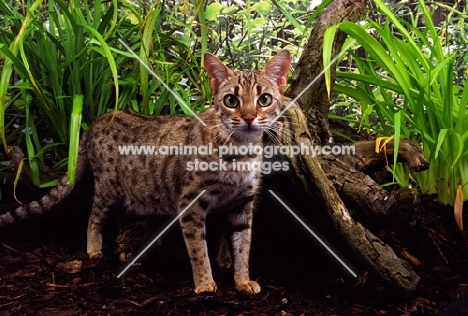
[[217, 71], [278, 68]]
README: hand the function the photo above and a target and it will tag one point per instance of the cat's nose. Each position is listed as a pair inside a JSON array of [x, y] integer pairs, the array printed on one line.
[[248, 118]]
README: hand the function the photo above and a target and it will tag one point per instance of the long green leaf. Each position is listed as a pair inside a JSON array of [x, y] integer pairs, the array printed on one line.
[[75, 125], [105, 50], [8, 69]]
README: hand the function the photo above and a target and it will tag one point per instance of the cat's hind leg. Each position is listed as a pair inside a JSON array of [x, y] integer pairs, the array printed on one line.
[[102, 203]]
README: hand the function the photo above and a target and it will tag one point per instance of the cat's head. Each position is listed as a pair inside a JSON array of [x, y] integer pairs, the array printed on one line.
[[248, 101]]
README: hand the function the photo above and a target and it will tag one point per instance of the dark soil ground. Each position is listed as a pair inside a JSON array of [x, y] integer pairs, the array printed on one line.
[[44, 270]]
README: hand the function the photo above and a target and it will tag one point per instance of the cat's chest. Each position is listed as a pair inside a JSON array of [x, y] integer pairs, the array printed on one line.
[[230, 189], [240, 179]]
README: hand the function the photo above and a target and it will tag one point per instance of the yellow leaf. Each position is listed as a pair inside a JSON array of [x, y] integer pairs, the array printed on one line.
[[385, 140], [458, 207], [18, 174]]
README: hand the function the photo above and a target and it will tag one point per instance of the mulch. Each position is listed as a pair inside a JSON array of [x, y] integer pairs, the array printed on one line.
[[44, 270]]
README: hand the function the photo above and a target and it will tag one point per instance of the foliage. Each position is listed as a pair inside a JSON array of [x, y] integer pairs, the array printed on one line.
[[241, 32], [405, 83], [56, 51]]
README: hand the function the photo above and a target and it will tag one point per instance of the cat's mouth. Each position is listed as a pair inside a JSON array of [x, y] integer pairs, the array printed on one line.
[[250, 131], [251, 127]]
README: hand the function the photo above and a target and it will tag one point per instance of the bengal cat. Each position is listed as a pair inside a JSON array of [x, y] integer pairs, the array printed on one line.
[[245, 103]]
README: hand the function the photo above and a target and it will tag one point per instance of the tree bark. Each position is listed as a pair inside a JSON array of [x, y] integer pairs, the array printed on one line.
[[314, 101]]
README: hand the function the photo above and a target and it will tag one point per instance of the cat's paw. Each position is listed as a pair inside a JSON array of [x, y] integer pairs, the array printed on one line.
[[250, 287], [243, 284], [209, 287], [95, 254]]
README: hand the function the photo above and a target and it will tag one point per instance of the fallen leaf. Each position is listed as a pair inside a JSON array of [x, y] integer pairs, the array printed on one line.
[[72, 266], [414, 261], [458, 207]]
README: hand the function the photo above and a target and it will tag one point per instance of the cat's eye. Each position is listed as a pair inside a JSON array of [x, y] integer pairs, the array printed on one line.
[[265, 99], [231, 101]]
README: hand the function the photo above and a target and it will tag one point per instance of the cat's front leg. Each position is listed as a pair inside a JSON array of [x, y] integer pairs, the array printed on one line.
[[192, 224], [241, 238]]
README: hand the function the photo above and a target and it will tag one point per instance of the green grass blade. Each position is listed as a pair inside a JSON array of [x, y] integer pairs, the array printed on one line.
[[440, 141], [33, 165], [106, 52], [75, 125], [145, 51], [328, 42], [396, 140], [8, 69]]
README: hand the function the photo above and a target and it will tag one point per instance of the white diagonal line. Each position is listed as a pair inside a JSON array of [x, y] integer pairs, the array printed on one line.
[[315, 236], [181, 101], [160, 234], [312, 82]]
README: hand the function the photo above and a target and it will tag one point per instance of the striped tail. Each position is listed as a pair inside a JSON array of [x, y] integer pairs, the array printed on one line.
[[54, 197]]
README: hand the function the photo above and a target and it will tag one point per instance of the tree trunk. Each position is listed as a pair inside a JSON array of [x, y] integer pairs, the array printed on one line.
[[339, 182], [314, 101]]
